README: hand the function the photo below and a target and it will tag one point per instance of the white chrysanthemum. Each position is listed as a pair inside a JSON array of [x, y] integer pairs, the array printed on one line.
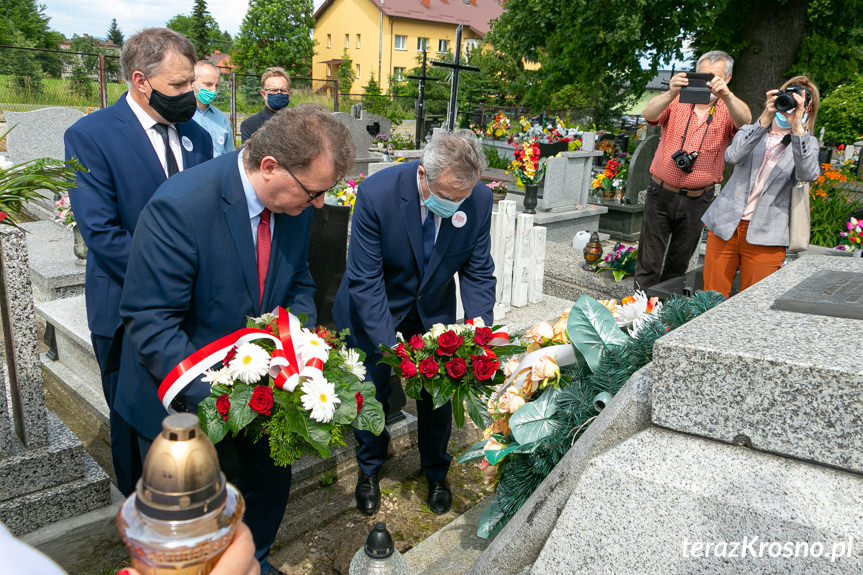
[[265, 319], [250, 364], [353, 363], [319, 396], [437, 329], [311, 345], [218, 377], [626, 314]]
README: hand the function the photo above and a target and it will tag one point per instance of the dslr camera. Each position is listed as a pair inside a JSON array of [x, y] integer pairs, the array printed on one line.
[[684, 160], [785, 98]]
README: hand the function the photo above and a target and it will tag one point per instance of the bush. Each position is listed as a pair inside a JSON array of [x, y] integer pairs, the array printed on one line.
[[494, 159], [830, 205], [841, 112]]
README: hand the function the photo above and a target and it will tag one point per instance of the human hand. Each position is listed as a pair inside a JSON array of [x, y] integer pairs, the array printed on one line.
[[719, 87], [769, 112], [795, 117], [677, 82], [238, 558]]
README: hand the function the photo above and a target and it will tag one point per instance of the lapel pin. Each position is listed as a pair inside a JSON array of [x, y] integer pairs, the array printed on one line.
[[187, 143], [459, 219]]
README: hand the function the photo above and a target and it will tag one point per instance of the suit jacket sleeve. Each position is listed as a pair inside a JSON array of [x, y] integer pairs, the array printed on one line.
[[246, 130], [158, 291], [744, 142], [805, 150], [365, 273], [476, 277], [94, 202]]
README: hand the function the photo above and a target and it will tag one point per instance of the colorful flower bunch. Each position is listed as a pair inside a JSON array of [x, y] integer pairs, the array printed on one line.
[[612, 177], [853, 234], [499, 127], [345, 193], [620, 262], [634, 312], [302, 410], [527, 165], [383, 138], [497, 187], [552, 132], [64, 213], [454, 362]]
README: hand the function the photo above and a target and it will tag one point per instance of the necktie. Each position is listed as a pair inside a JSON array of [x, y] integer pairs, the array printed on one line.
[[263, 249], [428, 239], [170, 158]]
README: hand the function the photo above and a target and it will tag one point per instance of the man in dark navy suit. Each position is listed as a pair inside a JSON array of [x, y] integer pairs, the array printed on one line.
[[217, 243], [129, 149], [414, 227]]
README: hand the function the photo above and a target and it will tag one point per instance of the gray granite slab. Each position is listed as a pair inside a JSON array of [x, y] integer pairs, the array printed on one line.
[[828, 292], [450, 550], [639, 503], [564, 277], [53, 271], [780, 381], [74, 347], [39, 133]]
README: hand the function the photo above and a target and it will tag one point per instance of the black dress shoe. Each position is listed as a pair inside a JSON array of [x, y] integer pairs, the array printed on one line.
[[440, 497], [368, 493]]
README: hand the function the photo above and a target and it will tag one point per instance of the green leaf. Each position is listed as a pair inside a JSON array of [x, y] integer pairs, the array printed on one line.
[[240, 414], [413, 387], [505, 351], [475, 406], [371, 416], [314, 434], [591, 328], [495, 455], [346, 411], [618, 275], [458, 408], [211, 421], [473, 453], [533, 421], [443, 392], [491, 521]]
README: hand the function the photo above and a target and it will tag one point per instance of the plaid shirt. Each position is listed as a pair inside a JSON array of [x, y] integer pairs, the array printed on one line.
[[707, 169]]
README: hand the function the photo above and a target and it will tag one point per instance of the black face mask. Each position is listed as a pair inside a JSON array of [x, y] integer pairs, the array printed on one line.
[[174, 109]]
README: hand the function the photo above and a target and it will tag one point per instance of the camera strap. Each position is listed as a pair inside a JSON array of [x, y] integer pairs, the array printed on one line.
[[706, 128]]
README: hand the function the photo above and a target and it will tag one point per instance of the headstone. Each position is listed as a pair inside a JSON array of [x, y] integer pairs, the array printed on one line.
[[503, 251], [362, 142], [381, 124], [328, 257], [638, 177], [523, 260], [567, 181], [828, 292]]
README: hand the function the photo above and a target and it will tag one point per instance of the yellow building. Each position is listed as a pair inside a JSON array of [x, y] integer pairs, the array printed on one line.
[[384, 37]]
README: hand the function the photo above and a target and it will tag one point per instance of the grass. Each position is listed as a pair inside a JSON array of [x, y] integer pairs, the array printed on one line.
[[53, 92]]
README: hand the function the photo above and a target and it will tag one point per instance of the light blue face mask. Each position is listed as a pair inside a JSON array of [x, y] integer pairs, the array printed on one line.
[[782, 121], [440, 206]]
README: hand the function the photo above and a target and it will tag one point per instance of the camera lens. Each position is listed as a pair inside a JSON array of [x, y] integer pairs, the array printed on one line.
[[785, 102]]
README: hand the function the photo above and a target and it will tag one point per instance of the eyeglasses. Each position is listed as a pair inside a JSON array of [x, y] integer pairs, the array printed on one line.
[[312, 196], [275, 91]]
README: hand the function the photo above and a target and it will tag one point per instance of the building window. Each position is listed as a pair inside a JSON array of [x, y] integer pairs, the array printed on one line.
[[359, 41], [347, 40], [471, 44], [329, 40], [329, 70], [398, 74], [400, 42], [358, 71], [443, 46], [422, 44]]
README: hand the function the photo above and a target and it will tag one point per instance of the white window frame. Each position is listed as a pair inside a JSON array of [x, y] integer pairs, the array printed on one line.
[[358, 71], [398, 73], [442, 46], [396, 42], [359, 41], [422, 43], [329, 40], [347, 40]]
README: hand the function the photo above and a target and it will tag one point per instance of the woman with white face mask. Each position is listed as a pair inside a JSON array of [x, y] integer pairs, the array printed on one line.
[[749, 219]]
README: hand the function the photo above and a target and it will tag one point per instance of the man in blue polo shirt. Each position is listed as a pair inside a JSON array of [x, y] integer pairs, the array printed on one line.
[[217, 124]]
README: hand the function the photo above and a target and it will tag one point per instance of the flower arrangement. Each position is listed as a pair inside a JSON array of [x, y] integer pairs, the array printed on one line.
[[497, 187], [498, 128], [853, 234], [550, 133], [526, 165], [634, 311], [64, 213], [300, 388], [453, 362], [831, 204], [620, 262], [382, 138], [613, 176], [344, 193]]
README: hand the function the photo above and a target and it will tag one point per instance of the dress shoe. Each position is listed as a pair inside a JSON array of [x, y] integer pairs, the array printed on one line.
[[368, 493], [440, 497], [270, 570]]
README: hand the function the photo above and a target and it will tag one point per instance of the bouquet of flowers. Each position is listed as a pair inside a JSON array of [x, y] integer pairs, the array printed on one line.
[[64, 212], [300, 388], [526, 165], [453, 362], [853, 234], [634, 311], [344, 193], [620, 262], [612, 177], [498, 127], [382, 138], [497, 187]]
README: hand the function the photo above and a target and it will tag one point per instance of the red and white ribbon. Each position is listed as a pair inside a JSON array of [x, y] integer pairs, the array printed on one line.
[[499, 337], [287, 367]]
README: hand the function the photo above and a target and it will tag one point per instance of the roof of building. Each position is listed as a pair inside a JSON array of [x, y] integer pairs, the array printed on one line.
[[660, 81], [475, 14]]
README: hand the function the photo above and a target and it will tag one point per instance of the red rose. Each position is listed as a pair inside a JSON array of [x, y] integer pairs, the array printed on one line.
[[448, 342], [262, 400], [483, 335], [456, 367], [429, 367], [359, 397], [484, 367], [417, 342], [223, 404], [402, 351], [230, 355], [409, 368]]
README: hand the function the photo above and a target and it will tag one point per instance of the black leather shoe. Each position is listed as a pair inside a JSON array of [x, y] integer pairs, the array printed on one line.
[[368, 493], [440, 497]]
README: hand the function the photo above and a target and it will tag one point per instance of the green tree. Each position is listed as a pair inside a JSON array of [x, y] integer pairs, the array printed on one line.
[[114, 34], [22, 65], [200, 32], [841, 112], [216, 39], [276, 33], [23, 22], [346, 74]]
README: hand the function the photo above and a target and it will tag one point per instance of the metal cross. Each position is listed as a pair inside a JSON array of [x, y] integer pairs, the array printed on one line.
[[456, 67]]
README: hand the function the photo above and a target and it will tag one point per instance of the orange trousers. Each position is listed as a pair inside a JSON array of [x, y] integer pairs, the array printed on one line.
[[723, 259]]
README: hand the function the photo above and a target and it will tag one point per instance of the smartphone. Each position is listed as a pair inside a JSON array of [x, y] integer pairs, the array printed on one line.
[[697, 92]]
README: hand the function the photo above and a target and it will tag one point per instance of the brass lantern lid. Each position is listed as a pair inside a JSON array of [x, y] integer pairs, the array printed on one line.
[[181, 478]]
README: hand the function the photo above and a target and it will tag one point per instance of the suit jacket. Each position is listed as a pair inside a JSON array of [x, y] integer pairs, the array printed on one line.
[[124, 171], [193, 278], [769, 224], [384, 279]]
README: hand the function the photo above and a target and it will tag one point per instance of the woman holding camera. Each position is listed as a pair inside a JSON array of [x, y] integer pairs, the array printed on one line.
[[749, 219]]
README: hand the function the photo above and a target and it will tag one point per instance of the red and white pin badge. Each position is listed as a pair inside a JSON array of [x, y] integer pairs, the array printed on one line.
[[459, 219]]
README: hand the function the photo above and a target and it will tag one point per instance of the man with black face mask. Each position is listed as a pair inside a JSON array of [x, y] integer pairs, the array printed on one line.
[[276, 92], [129, 149]]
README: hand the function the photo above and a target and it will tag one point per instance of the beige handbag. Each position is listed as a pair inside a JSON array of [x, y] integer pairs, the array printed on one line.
[[798, 232]]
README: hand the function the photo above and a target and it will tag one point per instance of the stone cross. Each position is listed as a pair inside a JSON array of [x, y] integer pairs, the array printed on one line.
[[639, 166], [457, 67]]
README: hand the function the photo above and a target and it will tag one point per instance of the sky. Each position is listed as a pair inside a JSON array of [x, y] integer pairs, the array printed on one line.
[[94, 17]]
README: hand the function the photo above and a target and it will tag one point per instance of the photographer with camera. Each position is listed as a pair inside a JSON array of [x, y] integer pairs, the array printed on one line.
[[699, 115], [749, 221]]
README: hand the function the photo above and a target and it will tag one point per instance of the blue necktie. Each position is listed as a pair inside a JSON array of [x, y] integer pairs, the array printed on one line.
[[428, 239]]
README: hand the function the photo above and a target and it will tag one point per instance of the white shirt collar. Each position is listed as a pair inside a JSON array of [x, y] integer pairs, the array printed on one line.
[[146, 120]]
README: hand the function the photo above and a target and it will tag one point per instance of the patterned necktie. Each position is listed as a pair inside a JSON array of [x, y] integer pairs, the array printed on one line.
[[428, 239], [170, 158], [263, 249]]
